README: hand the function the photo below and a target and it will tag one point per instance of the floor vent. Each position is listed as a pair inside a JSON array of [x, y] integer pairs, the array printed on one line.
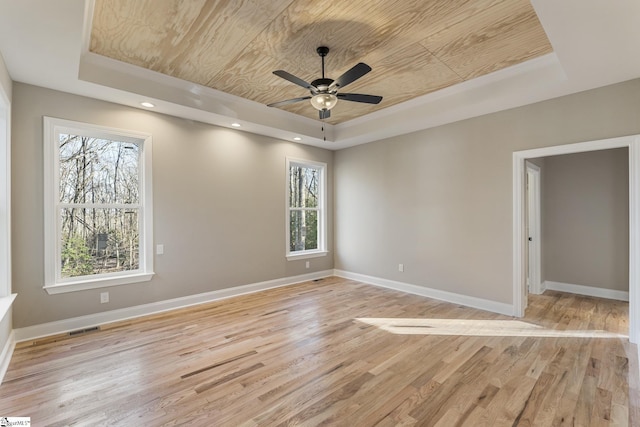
[[84, 331], [318, 280]]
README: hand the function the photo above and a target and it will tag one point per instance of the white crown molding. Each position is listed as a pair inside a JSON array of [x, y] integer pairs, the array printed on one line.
[[521, 84], [181, 98], [76, 323], [54, 36], [469, 301]]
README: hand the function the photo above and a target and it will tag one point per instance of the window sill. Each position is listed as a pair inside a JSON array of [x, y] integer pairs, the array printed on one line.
[[305, 255], [5, 305], [84, 285]]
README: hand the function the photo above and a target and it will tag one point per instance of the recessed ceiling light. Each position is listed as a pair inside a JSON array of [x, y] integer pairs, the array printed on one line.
[[147, 104], [297, 138], [235, 125]]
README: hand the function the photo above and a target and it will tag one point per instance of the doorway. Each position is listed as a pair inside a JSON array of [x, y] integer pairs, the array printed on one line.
[[520, 237]]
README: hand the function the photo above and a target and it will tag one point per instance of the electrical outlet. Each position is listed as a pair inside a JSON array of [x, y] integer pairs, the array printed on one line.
[[400, 267], [159, 249], [104, 297], [308, 264]]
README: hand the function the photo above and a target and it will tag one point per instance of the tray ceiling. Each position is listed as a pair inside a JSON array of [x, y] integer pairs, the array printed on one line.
[[414, 47]]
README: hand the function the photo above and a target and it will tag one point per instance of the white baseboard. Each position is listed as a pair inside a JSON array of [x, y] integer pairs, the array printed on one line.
[[91, 320], [537, 290], [5, 356], [543, 287], [482, 304], [587, 290]]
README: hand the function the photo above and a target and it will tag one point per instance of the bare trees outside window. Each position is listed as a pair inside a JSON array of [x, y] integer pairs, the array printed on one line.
[[98, 206], [99, 203], [305, 206]]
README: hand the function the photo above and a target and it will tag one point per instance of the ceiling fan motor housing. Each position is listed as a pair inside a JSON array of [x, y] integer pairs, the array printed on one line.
[[322, 84]]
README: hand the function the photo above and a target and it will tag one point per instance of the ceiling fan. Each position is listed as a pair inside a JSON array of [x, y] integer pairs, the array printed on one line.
[[324, 91]]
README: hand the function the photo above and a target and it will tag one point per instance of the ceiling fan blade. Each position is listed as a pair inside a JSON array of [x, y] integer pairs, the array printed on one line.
[[324, 114], [293, 79], [357, 71], [288, 101], [358, 97]]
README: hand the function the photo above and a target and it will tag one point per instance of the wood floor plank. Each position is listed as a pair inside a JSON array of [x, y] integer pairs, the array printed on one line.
[[328, 353]]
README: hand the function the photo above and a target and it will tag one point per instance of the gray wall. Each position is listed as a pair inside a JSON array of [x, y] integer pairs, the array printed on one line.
[[440, 200], [585, 219], [219, 206]]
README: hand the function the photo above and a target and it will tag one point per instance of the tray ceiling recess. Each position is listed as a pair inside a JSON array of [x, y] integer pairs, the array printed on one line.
[[415, 47]]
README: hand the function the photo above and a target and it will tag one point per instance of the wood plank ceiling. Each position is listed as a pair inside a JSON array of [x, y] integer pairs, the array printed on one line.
[[414, 46]]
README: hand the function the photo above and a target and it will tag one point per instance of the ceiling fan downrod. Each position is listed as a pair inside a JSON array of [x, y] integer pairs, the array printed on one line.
[[322, 51]]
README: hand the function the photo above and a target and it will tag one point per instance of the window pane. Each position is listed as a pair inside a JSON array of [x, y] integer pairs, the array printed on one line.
[[303, 227], [311, 227], [96, 241], [303, 187], [98, 171]]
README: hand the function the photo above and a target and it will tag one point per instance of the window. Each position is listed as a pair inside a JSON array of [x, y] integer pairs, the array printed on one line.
[[98, 218], [306, 216]]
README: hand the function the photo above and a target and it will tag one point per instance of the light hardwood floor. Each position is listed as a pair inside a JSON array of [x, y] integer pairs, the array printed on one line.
[[337, 352]]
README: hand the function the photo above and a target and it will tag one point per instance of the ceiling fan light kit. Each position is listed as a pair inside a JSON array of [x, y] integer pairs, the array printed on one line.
[[324, 101], [324, 91]]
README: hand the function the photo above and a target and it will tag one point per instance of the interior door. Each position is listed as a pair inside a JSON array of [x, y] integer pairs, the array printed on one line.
[[533, 228]]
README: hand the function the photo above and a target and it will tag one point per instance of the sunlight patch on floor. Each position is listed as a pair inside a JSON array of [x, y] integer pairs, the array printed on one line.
[[477, 328]]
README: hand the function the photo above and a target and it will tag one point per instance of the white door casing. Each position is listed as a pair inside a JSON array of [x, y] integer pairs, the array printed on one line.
[[632, 142]]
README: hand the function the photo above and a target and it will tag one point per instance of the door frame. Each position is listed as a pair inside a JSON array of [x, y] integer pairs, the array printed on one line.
[[632, 142], [534, 248]]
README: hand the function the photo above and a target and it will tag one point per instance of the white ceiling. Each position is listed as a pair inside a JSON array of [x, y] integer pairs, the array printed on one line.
[[595, 44]]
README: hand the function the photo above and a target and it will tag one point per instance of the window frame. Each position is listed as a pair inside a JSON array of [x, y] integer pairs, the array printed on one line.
[[53, 282], [321, 209], [5, 198]]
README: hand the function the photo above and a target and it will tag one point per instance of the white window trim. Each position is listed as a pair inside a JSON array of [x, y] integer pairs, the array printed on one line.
[[322, 211], [5, 199], [52, 284], [6, 297]]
